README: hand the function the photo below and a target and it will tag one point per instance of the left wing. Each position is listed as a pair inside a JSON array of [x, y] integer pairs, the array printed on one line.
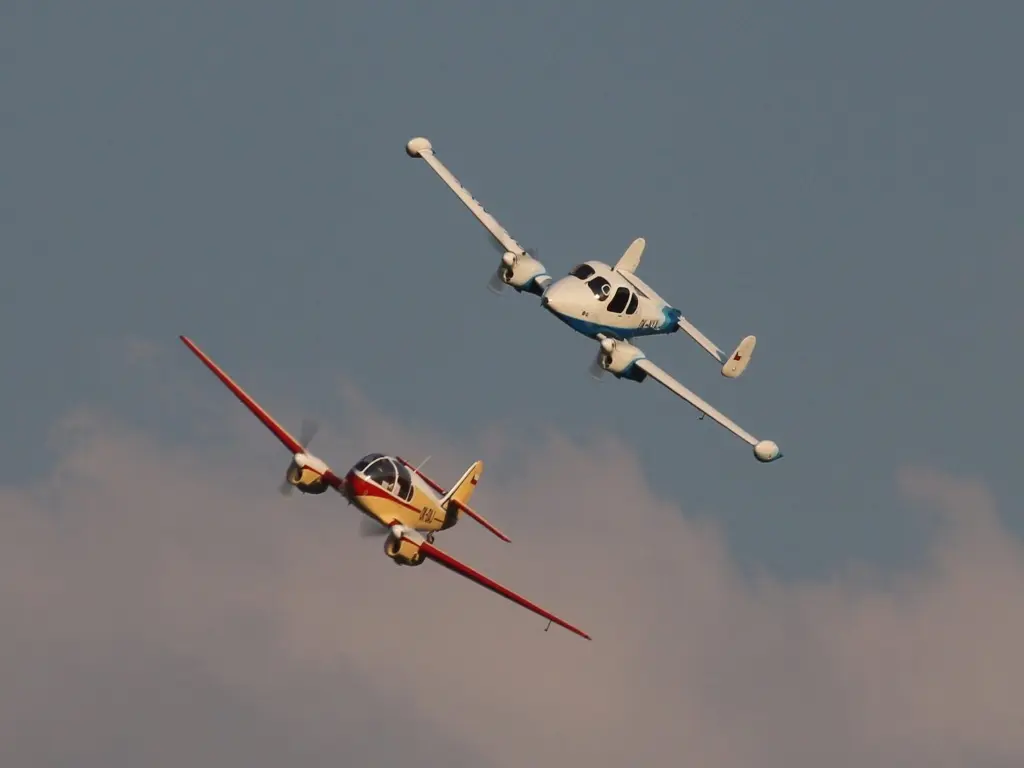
[[443, 558], [764, 450]]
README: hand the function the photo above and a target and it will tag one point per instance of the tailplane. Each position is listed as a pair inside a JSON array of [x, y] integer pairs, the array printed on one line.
[[458, 497]]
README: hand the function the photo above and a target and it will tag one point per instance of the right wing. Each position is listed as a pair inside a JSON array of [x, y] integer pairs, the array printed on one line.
[[276, 429], [518, 267], [764, 450], [422, 148], [443, 558]]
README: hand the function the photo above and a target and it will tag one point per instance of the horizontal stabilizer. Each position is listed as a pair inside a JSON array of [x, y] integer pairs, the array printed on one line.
[[740, 359], [463, 507], [706, 343]]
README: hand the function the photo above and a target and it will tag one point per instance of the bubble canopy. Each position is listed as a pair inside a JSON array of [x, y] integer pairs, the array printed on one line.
[[391, 475]]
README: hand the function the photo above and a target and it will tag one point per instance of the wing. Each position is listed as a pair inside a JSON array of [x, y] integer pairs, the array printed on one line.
[[422, 148], [278, 431], [764, 450], [443, 558]]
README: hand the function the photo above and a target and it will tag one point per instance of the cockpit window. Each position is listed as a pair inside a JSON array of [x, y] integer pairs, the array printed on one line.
[[390, 475], [365, 461], [582, 271], [619, 300], [383, 473], [633, 302], [600, 287], [404, 482]]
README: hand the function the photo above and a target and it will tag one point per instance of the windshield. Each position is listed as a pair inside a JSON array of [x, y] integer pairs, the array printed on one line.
[[363, 462], [392, 476]]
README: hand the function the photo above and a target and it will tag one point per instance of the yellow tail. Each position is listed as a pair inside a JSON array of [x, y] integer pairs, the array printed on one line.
[[462, 491]]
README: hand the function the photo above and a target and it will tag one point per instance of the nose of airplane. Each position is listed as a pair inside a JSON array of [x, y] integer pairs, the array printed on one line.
[[553, 297]]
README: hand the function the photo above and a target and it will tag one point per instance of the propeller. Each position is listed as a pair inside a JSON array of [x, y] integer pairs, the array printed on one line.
[[496, 285], [597, 370], [307, 432], [369, 528]]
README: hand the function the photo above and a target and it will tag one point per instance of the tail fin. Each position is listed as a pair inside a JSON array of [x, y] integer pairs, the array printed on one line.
[[740, 359], [462, 491]]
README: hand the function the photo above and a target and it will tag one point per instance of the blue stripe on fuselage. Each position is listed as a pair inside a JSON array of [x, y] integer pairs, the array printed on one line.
[[591, 330]]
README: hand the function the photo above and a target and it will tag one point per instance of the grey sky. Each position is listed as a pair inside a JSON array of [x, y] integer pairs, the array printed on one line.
[[845, 182]]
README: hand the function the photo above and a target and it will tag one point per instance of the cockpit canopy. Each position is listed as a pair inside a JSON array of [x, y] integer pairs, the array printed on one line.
[[391, 475], [624, 299]]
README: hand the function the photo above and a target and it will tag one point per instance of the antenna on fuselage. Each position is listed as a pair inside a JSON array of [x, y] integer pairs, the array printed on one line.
[[422, 463]]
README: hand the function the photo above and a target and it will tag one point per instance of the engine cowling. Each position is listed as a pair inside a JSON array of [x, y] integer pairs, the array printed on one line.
[[306, 473], [402, 551], [521, 270], [618, 358]]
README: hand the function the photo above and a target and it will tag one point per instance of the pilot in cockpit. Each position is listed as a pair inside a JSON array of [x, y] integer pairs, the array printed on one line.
[[390, 475]]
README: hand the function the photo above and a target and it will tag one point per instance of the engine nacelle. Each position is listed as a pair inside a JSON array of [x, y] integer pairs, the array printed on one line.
[[618, 358], [306, 473], [402, 551], [521, 270]]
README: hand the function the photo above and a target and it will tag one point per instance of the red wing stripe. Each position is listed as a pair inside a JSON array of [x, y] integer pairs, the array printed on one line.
[[337, 483], [280, 432], [449, 562], [426, 479], [465, 508]]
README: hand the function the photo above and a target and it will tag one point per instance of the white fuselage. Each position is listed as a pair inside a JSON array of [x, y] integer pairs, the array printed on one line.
[[595, 299]]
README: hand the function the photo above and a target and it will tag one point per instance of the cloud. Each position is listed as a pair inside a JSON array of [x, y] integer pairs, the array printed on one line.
[[163, 605]]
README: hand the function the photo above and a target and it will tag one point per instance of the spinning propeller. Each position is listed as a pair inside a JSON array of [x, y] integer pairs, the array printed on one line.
[[508, 263], [371, 528], [597, 369], [306, 435]]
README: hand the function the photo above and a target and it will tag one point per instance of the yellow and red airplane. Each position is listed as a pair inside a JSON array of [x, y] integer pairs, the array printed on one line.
[[410, 507]]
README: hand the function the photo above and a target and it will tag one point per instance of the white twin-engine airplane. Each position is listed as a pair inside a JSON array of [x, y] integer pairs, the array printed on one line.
[[608, 304]]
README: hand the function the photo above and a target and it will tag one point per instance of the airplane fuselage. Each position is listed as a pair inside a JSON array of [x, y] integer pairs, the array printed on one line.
[[594, 299], [383, 488]]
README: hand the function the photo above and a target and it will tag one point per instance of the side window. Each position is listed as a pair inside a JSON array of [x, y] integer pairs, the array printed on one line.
[[633, 302], [404, 487], [582, 271], [600, 287], [619, 300]]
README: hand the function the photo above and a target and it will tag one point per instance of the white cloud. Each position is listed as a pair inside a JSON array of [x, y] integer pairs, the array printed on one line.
[[171, 602]]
